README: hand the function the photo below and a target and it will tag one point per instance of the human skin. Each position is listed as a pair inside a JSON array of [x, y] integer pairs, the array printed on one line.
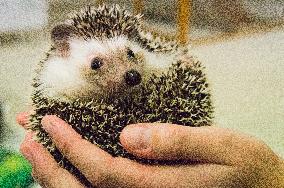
[[211, 157]]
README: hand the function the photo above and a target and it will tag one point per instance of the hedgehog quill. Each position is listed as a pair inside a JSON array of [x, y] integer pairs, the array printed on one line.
[[104, 72]]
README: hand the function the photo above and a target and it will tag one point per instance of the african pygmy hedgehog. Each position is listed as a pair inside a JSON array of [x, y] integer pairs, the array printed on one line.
[[104, 72]]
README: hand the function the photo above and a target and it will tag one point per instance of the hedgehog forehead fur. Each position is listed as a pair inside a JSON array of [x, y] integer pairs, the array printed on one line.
[[104, 22], [109, 21]]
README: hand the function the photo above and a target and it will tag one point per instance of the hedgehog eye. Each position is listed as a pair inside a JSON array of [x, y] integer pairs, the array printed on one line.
[[96, 63], [130, 54]]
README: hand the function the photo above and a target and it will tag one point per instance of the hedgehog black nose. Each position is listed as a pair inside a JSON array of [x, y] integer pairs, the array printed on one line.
[[132, 77]]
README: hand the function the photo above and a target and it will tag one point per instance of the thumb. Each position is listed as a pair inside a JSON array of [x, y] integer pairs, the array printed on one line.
[[175, 142], [154, 141]]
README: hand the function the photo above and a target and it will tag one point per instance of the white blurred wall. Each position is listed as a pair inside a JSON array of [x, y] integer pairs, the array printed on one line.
[[22, 14]]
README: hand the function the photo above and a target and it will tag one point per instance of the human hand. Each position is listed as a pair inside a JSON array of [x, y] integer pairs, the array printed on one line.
[[222, 158]]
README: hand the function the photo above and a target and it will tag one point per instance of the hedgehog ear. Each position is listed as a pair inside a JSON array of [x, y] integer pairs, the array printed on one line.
[[62, 32], [60, 35]]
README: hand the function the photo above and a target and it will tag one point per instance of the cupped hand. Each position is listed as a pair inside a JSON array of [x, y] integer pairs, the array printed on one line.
[[212, 157]]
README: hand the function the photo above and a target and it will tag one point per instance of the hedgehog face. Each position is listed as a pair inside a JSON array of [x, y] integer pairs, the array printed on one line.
[[93, 68], [98, 66], [113, 67]]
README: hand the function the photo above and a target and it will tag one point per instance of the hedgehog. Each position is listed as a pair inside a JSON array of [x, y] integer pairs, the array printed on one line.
[[105, 71]]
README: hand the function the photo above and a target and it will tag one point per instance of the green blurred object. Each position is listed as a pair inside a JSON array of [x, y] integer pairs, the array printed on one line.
[[15, 170], [1, 122]]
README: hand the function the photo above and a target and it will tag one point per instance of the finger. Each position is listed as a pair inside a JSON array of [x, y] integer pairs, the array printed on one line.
[[207, 144], [23, 119], [92, 161], [45, 169], [127, 173]]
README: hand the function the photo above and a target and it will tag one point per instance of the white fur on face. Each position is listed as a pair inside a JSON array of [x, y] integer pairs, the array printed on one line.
[[61, 76]]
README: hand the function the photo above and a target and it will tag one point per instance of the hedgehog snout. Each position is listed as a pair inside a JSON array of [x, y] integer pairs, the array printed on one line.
[[132, 77]]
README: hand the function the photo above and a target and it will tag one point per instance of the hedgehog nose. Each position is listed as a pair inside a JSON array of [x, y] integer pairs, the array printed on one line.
[[132, 77]]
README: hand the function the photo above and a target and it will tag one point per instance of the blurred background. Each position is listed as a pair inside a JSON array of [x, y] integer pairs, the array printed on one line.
[[241, 43]]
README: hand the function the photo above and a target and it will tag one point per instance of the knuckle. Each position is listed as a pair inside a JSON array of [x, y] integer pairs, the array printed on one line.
[[179, 141], [259, 146], [255, 153], [169, 141], [160, 139], [25, 149], [66, 146], [263, 153], [229, 140], [111, 165], [42, 177], [255, 147], [101, 176]]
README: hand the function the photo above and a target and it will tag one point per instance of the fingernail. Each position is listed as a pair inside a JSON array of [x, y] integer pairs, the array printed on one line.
[[22, 118], [137, 138]]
